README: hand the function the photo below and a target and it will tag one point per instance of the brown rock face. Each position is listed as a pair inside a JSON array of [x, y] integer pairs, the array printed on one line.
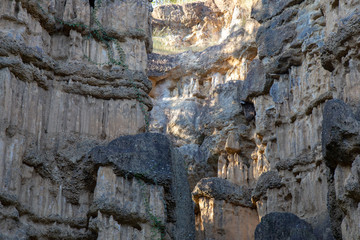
[[263, 126], [256, 110], [72, 77], [197, 103]]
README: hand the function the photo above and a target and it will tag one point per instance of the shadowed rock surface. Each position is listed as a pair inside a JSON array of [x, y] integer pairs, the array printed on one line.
[[283, 226]]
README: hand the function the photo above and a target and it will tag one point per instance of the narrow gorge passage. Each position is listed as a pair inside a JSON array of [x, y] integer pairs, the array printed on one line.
[[244, 91]]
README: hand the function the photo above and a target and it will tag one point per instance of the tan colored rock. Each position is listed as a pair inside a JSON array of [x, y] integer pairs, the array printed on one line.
[[129, 197], [221, 220], [303, 59], [56, 104], [201, 24], [224, 210], [232, 144]]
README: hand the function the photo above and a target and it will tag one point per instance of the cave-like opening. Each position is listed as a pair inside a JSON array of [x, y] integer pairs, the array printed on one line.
[[92, 3]]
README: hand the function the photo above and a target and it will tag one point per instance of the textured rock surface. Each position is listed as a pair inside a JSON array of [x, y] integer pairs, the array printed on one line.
[[223, 207], [141, 182], [201, 24], [281, 226], [197, 103], [221, 189], [340, 150], [63, 95], [267, 120]]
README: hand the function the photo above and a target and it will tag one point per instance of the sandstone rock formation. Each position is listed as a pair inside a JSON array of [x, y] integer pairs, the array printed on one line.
[[196, 102], [199, 24], [72, 78], [262, 126], [257, 110]]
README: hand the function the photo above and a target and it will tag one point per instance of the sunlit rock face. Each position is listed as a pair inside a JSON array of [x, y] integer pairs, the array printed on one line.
[[257, 110], [197, 25], [197, 103], [72, 77]]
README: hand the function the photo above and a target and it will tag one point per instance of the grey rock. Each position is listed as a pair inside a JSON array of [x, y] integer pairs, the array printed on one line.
[[281, 64], [221, 189], [88, 81], [267, 9], [283, 226], [158, 65], [335, 48], [194, 160], [257, 82], [147, 156], [184, 207], [67, 166], [321, 226], [278, 91], [335, 212], [267, 180], [272, 40], [121, 215], [352, 186], [278, 42], [186, 63], [340, 134]]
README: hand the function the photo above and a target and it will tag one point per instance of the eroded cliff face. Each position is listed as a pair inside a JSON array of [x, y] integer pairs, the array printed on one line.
[[271, 110], [265, 121], [72, 78], [196, 102]]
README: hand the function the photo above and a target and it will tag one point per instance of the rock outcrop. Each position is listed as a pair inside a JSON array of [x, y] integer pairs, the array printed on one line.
[[278, 226]]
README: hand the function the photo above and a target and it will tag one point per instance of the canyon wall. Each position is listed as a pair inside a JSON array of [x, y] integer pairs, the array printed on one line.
[[262, 126], [72, 78], [267, 120]]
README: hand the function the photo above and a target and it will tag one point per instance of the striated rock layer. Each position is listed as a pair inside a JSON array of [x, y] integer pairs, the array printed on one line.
[[72, 78], [273, 109], [266, 121]]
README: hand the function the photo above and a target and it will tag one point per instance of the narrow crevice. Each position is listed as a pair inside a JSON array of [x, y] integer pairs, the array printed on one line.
[[92, 3]]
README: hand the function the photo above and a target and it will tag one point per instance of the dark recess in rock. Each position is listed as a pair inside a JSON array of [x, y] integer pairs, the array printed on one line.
[[92, 3], [283, 226], [249, 110]]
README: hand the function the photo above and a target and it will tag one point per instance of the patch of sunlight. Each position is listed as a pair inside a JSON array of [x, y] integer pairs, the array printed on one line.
[[161, 46]]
